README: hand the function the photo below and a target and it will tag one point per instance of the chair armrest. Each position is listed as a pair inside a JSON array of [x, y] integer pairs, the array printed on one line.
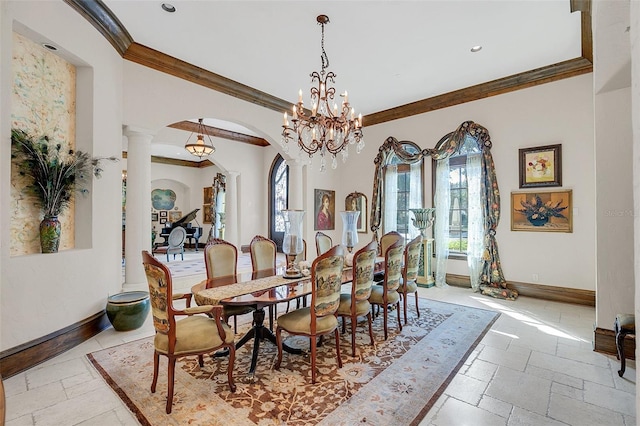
[[203, 309], [186, 296]]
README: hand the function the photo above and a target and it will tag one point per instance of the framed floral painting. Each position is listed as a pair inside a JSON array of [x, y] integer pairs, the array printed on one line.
[[541, 166], [542, 211]]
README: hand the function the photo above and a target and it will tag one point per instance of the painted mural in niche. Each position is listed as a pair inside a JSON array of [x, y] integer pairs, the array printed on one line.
[[43, 103], [163, 199]]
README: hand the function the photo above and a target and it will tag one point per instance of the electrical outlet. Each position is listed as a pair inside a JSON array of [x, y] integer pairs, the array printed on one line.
[[534, 278]]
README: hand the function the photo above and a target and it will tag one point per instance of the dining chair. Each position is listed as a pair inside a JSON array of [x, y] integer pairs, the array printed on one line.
[[221, 260], [263, 263], [175, 240], [323, 242], [385, 241], [193, 335], [319, 318], [356, 303], [386, 295], [410, 267]]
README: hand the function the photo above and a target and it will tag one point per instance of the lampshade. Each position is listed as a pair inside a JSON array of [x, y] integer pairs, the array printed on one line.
[[292, 243], [349, 228], [200, 148]]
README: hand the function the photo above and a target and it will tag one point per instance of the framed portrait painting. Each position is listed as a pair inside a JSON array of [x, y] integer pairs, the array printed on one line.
[[358, 201], [324, 209], [541, 166], [206, 213], [542, 211]]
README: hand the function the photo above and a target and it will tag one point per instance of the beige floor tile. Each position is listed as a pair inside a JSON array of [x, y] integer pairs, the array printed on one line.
[[520, 389], [455, 412], [574, 412], [33, 400], [76, 410], [613, 399], [495, 406], [466, 389], [572, 368], [521, 417], [503, 358]]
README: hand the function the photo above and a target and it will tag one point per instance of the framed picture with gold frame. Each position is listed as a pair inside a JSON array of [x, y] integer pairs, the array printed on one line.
[[207, 193], [542, 211], [206, 213], [358, 201]]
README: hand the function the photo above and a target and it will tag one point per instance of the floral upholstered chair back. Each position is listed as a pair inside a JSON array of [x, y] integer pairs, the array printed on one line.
[[412, 259], [393, 266], [221, 259], [263, 254], [159, 281], [363, 266], [326, 275]]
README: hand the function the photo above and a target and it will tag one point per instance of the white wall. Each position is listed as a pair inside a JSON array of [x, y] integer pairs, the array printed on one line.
[[44, 293], [559, 112]]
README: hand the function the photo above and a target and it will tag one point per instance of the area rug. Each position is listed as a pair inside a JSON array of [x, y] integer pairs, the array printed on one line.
[[394, 382]]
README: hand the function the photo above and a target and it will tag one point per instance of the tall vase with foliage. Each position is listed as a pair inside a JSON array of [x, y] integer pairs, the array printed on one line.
[[54, 176]]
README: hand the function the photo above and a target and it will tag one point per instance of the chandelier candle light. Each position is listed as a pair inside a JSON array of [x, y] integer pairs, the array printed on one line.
[[200, 148], [326, 128]]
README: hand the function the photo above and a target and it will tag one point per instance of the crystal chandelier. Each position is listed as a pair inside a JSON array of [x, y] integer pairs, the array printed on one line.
[[200, 148], [324, 129]]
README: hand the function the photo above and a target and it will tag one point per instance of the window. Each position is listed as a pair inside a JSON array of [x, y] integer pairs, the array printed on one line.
[[278, 200], [458, 208], [403, 189]]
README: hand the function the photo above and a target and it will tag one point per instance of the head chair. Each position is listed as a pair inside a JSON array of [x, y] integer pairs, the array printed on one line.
[[193, 335]]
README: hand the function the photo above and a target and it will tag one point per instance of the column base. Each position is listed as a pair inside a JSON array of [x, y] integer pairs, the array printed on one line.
[[425, 282]]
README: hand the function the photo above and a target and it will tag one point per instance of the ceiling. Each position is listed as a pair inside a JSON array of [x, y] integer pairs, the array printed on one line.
[[385, 53]]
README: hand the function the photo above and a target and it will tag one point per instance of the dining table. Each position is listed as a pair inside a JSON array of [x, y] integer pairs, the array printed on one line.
[[261, 291]]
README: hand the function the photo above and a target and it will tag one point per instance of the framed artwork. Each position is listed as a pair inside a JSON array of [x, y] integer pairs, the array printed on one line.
[[543, 211], [163, 213], [206, 213], [541, 166], [358, 201], [207, 193], [163, 220], [163, 199], [324, 202], [154, 217], [174, 216]]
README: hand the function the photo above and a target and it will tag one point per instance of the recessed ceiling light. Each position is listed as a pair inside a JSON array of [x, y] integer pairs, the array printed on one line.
[[168, 7], [49, 46], [475, 49]]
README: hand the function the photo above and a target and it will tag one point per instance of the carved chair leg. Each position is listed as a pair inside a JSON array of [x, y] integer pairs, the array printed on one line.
[[232, 357], [354, 322], [417, 308], [370, 328], [279, 344], [170, 378], [156, 362]]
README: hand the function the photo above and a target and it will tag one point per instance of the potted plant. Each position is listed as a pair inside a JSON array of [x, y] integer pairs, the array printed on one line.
[[538, 213], [54, 175]]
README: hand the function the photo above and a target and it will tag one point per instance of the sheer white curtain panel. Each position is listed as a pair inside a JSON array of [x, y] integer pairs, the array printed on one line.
[[441, 228], [475, 219], [390, 219]]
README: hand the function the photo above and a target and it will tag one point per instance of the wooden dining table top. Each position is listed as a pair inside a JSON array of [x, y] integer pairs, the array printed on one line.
[[260, 291]]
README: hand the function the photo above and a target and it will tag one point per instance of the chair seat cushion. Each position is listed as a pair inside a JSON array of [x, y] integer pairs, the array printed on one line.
[[412, 287], [377, 295], [196, 333], [362, 306], [299, 322]]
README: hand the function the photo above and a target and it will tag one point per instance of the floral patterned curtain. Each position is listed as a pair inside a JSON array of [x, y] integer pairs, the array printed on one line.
[[492, 280]]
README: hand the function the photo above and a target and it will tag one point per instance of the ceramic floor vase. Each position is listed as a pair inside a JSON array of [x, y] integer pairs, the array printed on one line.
[[50, 234]]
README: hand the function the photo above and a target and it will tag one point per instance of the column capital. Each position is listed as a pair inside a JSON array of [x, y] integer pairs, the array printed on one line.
[[233, 173], [137, 131], [294, 162]]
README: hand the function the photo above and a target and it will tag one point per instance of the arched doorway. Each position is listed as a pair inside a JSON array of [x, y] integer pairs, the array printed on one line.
[[278, 199]]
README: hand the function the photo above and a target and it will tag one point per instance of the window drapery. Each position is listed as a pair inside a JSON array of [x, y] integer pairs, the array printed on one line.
[[491, 278], [442, 201], [391, 197]]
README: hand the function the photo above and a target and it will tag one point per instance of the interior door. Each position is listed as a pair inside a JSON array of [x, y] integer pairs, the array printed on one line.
[[278, 199]]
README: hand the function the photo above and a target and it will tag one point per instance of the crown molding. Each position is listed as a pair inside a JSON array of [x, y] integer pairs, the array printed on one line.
[[108, 24], [220, 133]]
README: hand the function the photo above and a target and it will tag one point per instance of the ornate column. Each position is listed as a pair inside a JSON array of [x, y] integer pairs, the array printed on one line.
[[231, 228], [295, 184], [138, 206]]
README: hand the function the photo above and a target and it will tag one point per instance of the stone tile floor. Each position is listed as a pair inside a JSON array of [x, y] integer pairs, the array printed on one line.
[[535, 366]]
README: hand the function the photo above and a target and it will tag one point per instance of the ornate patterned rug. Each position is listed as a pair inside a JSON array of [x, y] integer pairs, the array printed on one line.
[[394, 382]]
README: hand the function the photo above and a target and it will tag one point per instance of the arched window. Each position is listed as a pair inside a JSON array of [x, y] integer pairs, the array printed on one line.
[[403, 184], [278, 199]]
